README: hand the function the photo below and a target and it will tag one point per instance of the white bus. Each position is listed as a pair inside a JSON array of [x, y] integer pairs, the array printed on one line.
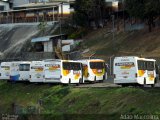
[[5, 70], [24, 70], [14, 71], [52, 71], [93, 70], [62, 71], [18, 71], [36, 71], [134, 70], [71, 72]]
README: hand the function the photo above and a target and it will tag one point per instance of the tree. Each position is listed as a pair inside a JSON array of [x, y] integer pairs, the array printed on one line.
[[87, 11], [42, 27], [135, 8], [144, 9], [152, 10]]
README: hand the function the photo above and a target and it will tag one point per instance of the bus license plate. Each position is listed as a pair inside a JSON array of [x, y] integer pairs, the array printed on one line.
[[99, 71], [75, 72]]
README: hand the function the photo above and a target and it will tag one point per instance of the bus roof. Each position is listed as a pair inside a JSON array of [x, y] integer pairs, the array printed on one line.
[[138, 58]]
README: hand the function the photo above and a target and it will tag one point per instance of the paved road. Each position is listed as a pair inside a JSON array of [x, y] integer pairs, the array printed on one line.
[[107, 83]]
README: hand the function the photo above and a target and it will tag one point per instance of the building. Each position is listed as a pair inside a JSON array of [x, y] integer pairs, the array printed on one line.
[[36, 12], [4, 6]]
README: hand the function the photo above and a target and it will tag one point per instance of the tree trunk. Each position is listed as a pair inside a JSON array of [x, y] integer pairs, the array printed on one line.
[[149, 25]]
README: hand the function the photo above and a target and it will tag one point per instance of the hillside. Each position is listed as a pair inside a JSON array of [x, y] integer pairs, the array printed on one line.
[[138, 43], [17, 38], [35, 101]]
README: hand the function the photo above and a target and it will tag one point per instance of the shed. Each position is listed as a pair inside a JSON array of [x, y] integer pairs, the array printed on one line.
[[47, 43]]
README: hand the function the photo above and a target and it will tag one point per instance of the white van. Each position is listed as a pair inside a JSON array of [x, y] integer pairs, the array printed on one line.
[[36, 71], [134, 70], [94, 70]]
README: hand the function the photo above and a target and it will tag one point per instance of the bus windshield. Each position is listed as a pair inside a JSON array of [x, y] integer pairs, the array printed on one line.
[[71, 66], [97, 65], [24, 67], [146, 65]]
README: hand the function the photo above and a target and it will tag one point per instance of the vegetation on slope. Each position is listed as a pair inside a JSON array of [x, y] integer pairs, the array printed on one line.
[[66, 101], [125, 43]]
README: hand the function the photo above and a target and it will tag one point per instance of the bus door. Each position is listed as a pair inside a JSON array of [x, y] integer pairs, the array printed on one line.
[[37, 74], [76, 71], [24, 71], [14, 72], [150, 68]]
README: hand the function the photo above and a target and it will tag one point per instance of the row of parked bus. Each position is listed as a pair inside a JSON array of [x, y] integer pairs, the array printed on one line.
[[54, 71], [127, 70]]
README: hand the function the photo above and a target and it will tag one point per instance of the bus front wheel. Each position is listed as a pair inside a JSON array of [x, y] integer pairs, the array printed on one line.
[[144, 84], [69, 82], [155, 81], [94, 79], [81, 81]]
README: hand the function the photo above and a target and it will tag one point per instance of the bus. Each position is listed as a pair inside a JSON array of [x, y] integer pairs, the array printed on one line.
[[94, 70], [5, 71], [134, 70], [62, 71], [71, 72], [24, 70], [14, 71], [36, 72], [52, 71], [18, 71]]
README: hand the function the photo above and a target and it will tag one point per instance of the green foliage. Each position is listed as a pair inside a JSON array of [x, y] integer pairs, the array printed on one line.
[[42, 27], [79, 33], [64, 102], [135, 8], [144, 9], [88, 10]]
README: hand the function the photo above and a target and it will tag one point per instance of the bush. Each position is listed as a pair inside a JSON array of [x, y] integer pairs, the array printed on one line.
[[78, 34]]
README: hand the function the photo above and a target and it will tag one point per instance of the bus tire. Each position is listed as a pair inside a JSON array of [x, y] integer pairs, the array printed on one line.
[[69, 82], [104, 77], [101, 81], [155, 81], [123, 85], [152, 85], [81, 81], [144, 82], [95, 79]]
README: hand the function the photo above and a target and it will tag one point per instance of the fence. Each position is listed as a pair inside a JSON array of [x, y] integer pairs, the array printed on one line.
[[28, 56]]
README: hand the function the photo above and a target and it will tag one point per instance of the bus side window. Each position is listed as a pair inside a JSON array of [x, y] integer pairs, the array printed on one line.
[[141, 65]]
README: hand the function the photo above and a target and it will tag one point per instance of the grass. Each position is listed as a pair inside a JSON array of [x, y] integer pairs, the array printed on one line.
[[61, 101], [134, 43]]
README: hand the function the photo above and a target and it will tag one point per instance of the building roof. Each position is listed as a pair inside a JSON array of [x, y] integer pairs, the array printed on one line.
[[45, 38], [36, 5]]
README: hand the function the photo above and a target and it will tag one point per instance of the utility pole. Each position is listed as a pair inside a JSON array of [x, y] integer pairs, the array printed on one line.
[[123, 2], [53, 14], [113, 32]]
